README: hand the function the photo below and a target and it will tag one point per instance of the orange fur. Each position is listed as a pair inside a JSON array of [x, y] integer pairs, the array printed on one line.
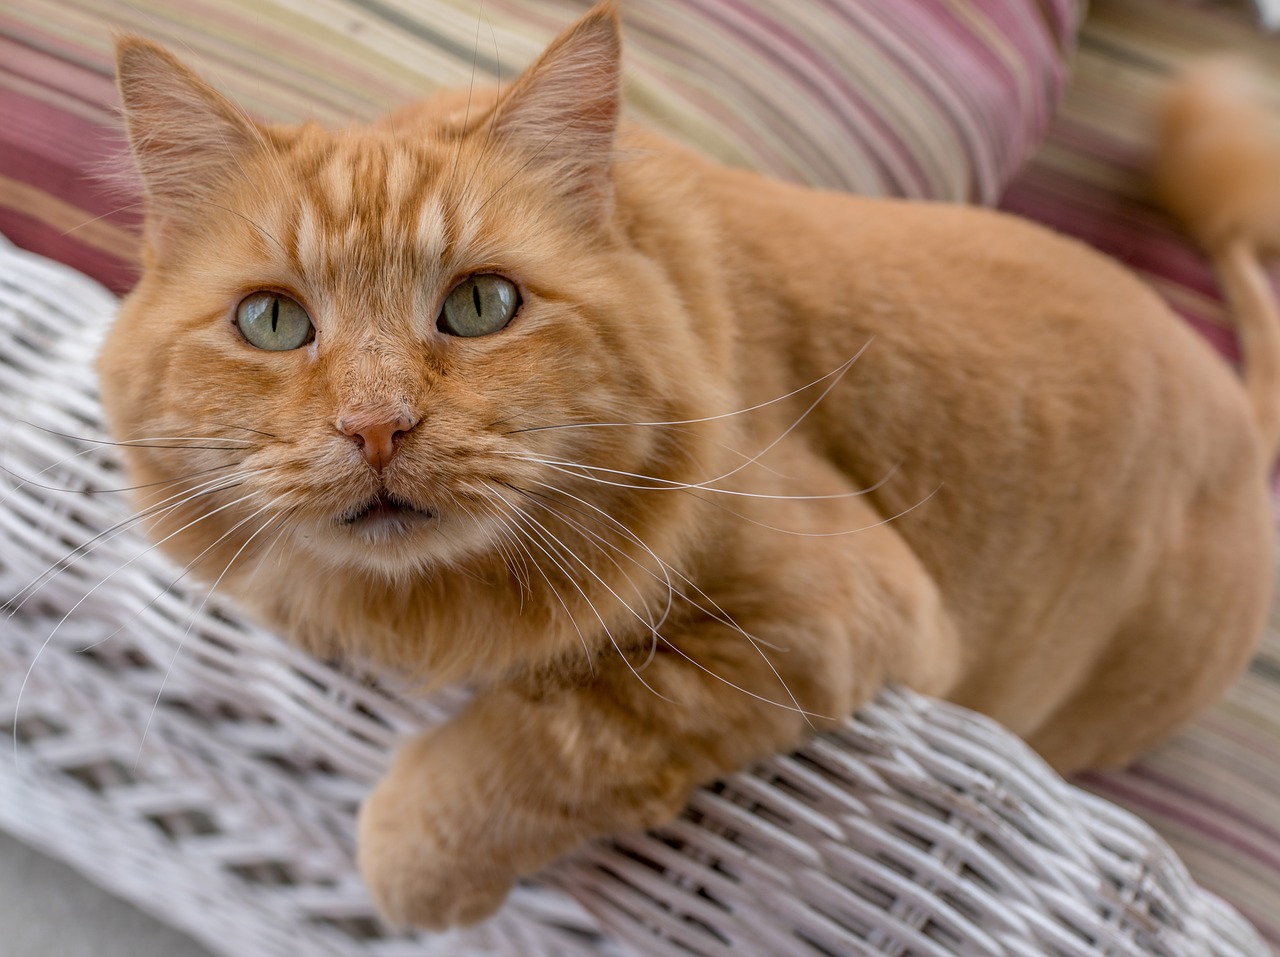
[[1218, 169], [746, 453]]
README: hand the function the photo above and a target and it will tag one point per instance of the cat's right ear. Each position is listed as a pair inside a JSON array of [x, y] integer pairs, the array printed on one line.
[[187, 138], [563, 111]]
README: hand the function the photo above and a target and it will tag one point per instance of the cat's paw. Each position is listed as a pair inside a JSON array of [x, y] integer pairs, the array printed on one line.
[[417, 876]]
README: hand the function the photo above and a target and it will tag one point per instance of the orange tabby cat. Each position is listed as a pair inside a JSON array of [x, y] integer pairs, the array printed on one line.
[[672, 462]]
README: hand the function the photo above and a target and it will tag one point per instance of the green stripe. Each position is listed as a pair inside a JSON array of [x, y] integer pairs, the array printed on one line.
[[483, 62]]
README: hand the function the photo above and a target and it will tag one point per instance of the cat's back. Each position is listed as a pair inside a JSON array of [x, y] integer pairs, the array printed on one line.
[[983, 314], [1067, 435], [811, 264]]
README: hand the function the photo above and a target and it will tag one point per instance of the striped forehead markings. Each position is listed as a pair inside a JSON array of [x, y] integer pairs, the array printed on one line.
[[355, 198]]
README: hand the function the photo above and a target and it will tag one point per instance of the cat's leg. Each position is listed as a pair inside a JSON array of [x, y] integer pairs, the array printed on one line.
[[527, 774], [1183, 644], [534, 768]]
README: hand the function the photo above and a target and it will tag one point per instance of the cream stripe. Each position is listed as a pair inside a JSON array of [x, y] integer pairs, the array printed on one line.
[[72, 221]]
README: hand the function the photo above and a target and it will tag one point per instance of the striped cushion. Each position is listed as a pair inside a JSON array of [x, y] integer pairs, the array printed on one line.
[[937, 98]]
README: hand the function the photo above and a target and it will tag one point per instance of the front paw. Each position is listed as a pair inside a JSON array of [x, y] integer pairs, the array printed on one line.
[[502, 791], [417, 870]]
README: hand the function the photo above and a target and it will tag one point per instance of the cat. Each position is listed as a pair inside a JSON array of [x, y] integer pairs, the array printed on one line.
[[673, 463]]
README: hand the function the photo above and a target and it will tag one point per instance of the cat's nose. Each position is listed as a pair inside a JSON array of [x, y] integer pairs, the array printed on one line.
[[377, 437]]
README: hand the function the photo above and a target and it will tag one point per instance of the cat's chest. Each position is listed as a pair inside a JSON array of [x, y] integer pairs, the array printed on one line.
[[440, 626]]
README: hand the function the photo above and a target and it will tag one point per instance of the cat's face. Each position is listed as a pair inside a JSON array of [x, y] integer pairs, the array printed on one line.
[[367, 345]]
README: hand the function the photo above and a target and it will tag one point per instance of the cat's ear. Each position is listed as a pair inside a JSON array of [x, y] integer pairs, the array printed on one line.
[[187, 139], [563, 110]]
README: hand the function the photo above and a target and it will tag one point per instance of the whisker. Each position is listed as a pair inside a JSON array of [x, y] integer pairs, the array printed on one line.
[[667, 568], [150, 442], [466, 115], [514, 512], [502, 545], [803, 415], [245, 428], [665, 485], [112, 212], [551, 506], [835, 373], [707, 485], [795, 706], [85, 548], [242, 216], [190, 565], [720, 614], [550, 540], [176, 500], [142, 740], [32, 483], [57, 627], [673, 427], [654, 627], [279, 536], [604, 544]]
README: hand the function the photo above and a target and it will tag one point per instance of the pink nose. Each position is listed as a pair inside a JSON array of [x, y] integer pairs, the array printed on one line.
[[377, 437]]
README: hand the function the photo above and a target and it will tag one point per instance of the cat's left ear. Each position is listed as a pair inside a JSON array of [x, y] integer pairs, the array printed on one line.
[[563, 110], [187, 138]]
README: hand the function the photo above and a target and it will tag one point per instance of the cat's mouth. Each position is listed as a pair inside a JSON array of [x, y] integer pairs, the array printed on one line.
[[385, 511]]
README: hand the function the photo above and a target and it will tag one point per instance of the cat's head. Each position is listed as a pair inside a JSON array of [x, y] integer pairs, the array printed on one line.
[[384, 347]]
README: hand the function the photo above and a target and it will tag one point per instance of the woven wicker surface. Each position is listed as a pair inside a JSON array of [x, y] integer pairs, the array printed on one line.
[[200, 767]]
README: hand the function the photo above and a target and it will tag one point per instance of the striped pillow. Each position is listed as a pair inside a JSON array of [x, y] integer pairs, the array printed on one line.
[[925, 98]]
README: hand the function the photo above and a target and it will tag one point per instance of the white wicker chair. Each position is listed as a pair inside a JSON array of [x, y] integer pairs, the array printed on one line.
[[200, 767]]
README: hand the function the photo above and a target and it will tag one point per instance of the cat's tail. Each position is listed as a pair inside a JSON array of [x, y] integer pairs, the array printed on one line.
[[1218, 169]]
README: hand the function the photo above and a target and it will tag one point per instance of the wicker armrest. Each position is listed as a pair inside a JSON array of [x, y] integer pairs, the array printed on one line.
[[203, 769]]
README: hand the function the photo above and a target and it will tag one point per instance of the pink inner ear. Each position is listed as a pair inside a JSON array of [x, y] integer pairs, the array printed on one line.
[[563, 110], [187, 138]]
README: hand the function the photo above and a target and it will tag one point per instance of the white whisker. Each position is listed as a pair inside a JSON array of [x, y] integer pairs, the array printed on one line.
[[550, 540], [521, 541], [72, 610], [836, 374], [668, 569], [670, 485], [720, 615], [204, 601], [794, 706], [664, 578], [86, 548]]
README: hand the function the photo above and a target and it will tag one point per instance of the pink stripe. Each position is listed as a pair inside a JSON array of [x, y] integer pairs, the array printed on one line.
[[1266, 831], [918, 67], [90, 83], [845, 108], [1113, 788], [732, 88], [1203, 819]]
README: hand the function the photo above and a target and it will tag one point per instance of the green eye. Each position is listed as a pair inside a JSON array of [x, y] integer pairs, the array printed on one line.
[[479, 305], [274, 322]]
